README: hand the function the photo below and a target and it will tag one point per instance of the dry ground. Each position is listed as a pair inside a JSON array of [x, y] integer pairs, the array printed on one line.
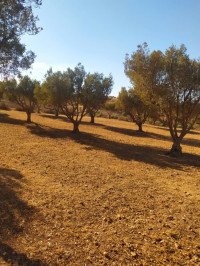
[[107, 197]]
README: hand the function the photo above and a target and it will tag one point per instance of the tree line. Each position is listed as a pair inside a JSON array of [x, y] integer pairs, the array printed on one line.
[[163, 85], [73, 92]]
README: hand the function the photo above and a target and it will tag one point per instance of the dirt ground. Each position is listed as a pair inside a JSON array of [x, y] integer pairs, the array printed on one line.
[[109, 196]]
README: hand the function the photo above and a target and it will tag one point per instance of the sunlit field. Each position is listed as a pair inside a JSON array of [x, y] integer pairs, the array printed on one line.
[[107, 196]]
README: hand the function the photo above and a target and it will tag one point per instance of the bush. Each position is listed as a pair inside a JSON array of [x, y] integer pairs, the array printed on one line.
[[19, 109], [114, 117], [99, 114], [124, 118], [3, 106]]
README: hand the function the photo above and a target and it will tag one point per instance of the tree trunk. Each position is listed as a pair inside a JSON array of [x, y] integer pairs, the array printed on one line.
[[154, 121], [140, 127], [38, 109], [28, 117], [176, 149], [75, 129], [92, 118], [56, 112], [164, 123]]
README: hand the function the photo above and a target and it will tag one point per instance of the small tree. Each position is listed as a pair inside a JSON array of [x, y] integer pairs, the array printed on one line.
[[74, 103], [109, 107], [52, 90], [132, 104], [22, 93], [96, 89]]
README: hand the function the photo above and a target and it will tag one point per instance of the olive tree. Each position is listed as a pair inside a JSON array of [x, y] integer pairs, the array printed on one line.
[[132, 104], [52, 89], [172, 82], [22, 93], [96, 89], [16, 19], [74, 104], [109, 107], [73, 92], [180, 95]]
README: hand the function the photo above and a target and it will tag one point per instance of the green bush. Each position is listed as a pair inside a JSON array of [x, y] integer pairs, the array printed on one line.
[[99, 114], [114, 117]]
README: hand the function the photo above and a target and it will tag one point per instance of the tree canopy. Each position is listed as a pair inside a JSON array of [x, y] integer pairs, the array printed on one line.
[[16, 19], [53, 89], [131, 103], [170, 81], [96, 89], [22, 93]]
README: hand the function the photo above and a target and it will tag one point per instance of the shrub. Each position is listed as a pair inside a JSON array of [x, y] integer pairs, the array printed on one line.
[[3, 106]]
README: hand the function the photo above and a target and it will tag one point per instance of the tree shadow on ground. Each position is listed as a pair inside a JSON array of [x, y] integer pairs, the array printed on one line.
[[92, 124], [5, 118], [150, 155], [14, 214], [193, 132], [65, 119], [60, 117], [12, 257], [134, 133]]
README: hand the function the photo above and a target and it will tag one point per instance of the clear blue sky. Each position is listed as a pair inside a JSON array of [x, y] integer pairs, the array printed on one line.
[[98, 33]]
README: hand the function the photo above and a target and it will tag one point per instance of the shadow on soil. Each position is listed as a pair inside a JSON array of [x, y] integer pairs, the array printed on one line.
[[193, 132], [5, 118], [10, 256], [60, 117], [134, 133], [123, 151], [14, 213]]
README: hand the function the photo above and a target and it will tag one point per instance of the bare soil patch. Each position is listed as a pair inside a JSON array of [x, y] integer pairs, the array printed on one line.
[[109, 196]]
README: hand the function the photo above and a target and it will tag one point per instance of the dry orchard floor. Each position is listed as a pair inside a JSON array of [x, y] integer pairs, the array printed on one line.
[[107, 197]]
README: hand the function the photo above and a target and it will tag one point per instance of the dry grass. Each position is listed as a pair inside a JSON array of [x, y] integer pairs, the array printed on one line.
[[107, 197]]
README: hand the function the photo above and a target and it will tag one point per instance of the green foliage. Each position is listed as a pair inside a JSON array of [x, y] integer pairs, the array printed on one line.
[[109, 106], [96, 90], [99, 114], [22, 93], [16, 19], [131, 103], [170, 81], [74, 100], [145, 71], [54, 90], [74, 92], [114, 117]]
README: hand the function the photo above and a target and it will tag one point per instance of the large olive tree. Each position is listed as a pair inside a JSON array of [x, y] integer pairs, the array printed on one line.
[[180, 95], [172, 82]]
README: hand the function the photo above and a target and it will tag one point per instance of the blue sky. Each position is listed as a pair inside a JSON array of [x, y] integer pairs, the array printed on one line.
[[98, 33]]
